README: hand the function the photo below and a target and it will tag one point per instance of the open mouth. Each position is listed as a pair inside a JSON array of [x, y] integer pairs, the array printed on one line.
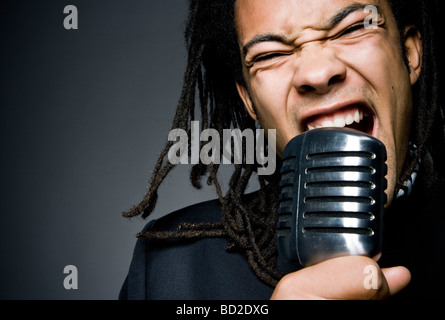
[[355, 117]]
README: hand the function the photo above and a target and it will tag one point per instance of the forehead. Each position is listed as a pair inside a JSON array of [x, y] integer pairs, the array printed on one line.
[[291, 16]]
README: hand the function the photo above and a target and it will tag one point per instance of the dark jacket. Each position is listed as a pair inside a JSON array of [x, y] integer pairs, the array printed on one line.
[[202, 269], [190, 269]]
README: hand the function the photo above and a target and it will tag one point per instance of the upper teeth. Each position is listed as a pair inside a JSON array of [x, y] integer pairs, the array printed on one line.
[[340, 121]]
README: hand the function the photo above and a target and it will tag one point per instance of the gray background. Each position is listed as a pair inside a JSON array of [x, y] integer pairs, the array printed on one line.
[[84, 114]]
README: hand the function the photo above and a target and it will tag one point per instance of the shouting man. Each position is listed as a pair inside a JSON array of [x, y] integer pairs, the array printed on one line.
[[292, 66]]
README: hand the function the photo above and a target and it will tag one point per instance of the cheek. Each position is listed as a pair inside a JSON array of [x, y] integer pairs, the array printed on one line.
[[388, 77], [380, 67], [270, 94], [376, 62]]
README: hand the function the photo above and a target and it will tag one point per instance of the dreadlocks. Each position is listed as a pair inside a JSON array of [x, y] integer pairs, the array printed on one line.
[[213, 66], [427, 127]]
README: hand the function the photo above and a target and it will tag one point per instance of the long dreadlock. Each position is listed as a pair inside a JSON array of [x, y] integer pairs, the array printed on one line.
[[212, 67]]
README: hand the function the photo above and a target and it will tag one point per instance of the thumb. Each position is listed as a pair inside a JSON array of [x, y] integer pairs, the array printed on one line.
[[397, 278]]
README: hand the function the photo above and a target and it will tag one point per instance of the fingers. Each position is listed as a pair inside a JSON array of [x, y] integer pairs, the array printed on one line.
[[346, 278], [397, 278]]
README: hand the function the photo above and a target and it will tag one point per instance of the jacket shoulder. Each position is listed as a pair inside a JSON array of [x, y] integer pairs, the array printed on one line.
[[208, 211]]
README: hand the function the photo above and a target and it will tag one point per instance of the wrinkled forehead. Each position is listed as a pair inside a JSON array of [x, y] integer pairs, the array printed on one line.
[[293, 16]]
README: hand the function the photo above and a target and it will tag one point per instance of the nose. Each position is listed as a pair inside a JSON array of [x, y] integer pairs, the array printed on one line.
[[318, 70]]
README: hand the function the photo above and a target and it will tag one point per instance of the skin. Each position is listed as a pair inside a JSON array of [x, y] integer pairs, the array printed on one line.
[[301, 68]]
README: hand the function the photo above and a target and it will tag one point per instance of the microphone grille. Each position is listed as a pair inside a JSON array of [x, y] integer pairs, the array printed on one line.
[[331, 195]]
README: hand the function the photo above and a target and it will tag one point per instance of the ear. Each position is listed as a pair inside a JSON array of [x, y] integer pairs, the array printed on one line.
[[414, 52], [245, 97]]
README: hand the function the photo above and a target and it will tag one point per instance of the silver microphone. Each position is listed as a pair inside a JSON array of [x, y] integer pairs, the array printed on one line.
[[332, 196]]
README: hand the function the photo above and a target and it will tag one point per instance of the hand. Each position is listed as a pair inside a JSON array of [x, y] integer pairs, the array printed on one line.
[[342, 279]]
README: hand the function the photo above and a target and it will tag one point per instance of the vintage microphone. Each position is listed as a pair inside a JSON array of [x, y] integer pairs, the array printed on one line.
[[332, 196]]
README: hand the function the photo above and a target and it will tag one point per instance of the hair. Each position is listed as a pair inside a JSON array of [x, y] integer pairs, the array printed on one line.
[[427, 129], [214, 63]]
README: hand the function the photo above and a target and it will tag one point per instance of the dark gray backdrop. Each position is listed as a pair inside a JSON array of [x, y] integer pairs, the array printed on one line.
[[84, 114]]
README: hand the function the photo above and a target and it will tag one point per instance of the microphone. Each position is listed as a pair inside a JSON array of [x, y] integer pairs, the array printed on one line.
[[332, 196]]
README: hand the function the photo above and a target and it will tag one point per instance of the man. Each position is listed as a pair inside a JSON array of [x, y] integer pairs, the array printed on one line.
[[295, 65]]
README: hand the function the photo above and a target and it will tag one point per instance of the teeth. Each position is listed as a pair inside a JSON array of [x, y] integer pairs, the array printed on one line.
[[327, 123], [357, 116], [339, 121]]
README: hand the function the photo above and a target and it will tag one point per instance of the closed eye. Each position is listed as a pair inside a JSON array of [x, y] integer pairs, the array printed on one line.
[[268, 57], [352, 29]]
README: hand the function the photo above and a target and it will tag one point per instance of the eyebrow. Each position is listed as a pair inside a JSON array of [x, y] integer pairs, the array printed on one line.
[[263, 38], [339, 17], [332, 22]]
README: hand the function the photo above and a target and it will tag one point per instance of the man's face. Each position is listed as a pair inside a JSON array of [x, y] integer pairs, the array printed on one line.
[[313, 63]]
